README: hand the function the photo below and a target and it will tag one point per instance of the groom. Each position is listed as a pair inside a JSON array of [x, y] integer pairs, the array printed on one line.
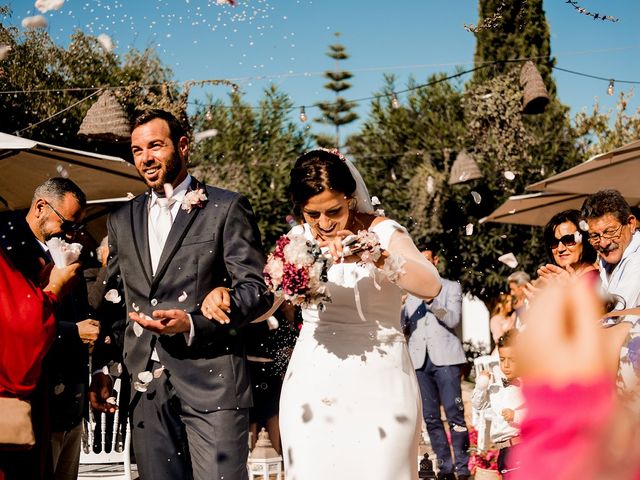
[[189, 410]]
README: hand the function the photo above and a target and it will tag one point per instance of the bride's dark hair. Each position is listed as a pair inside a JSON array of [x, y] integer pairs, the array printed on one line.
[[315, 172]]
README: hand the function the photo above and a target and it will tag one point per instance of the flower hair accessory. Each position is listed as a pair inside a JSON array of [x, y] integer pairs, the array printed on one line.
[[194, 199], [332, 151]]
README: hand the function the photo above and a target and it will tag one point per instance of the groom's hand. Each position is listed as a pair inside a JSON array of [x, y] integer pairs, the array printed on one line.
[[164, 322]]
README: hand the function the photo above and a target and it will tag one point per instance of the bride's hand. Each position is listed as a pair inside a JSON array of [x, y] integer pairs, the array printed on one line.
[[334, 244], [217, 304]]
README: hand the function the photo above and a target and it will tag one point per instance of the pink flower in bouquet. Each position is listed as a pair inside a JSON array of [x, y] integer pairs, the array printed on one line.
[[295, 280], [274, 270]]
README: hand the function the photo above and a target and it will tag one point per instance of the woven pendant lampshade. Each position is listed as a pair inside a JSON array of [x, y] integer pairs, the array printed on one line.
[[535, 96], [464, 168], [106, 120]]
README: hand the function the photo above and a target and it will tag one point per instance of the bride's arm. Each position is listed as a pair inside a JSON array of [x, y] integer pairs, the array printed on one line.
[[217, 304], [417, 276]]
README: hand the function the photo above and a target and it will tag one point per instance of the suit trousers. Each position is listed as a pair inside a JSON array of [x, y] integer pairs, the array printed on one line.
[[172, 441], [440, 385]]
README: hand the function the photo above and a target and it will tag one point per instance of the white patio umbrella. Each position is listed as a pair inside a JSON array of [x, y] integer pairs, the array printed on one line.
[[25, 164]]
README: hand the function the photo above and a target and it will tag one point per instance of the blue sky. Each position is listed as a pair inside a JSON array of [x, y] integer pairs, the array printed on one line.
[[259, 42]]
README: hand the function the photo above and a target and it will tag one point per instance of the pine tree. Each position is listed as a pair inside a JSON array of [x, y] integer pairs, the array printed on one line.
[[339, 111]]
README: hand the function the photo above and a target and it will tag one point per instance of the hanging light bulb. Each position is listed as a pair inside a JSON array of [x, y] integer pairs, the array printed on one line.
[[610, 87], [303, 114], [208, 116], [395, 103]]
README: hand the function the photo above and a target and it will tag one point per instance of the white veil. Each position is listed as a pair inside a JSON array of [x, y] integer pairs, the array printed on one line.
[[363, 200]]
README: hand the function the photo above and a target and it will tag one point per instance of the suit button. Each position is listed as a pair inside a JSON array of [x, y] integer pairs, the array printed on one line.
[[154, 302]]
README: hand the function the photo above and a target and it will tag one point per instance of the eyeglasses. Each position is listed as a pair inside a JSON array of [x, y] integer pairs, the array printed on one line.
[[609, 234], [66, 226], [568, 240]]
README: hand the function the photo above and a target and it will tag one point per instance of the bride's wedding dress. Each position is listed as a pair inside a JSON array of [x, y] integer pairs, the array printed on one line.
[[350, 403]]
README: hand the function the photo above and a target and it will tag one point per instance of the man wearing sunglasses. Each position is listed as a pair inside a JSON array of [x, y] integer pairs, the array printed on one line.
[[612, 232], [56, 211]]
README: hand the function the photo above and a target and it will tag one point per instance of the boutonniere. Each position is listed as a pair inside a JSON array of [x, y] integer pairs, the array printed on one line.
[[194, 199]]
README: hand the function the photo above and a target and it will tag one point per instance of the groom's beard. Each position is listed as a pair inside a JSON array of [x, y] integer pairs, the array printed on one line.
[[167, 174]]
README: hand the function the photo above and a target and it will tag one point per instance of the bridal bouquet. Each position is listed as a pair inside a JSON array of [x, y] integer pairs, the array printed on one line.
[[297, 270]]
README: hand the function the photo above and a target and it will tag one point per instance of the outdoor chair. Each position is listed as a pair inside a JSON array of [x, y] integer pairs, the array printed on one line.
[[106, 446]]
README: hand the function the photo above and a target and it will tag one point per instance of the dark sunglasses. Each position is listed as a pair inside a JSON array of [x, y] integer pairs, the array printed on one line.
[[66, 226], [568, 240]]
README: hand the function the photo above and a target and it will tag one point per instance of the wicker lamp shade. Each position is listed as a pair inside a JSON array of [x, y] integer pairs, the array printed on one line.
[[535, 96], [106, 120], [464, 168]]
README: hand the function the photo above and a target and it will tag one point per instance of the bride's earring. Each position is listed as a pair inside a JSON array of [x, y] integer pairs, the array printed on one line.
[[353, 203]]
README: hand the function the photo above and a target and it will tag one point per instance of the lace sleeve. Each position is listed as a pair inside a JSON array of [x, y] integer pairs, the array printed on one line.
[[414, 273]]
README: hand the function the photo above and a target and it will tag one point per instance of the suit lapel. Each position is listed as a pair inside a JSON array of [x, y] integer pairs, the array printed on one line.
[[140, 233]]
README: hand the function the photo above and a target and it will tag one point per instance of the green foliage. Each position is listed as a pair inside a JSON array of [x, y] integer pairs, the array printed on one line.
[[48, 79], [339, 111], [597, 134], [252, 153], [520, 30]]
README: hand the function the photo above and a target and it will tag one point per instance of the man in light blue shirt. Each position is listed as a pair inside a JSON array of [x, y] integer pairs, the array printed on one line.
[[436, 353], [612, 232]]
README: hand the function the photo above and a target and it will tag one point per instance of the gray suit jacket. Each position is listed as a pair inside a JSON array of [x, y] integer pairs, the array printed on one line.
[[218, 244], [432, 328]]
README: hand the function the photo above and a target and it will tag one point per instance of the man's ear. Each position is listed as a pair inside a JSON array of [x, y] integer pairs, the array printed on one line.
[[633, 221], [39, 206], [183, 148]]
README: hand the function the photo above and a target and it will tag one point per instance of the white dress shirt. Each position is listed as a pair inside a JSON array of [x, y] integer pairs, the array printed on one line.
[[623, 278], [155, 249]]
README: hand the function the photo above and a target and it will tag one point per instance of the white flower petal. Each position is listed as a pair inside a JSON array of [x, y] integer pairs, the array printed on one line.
[[111, 400], [168, 190], [584, 226], [469, 229], [140, 387], [509, 175], [130, 196], [135, 307], [137, 329], [105, 42], [112, 296], [45, 5], [4, 51], [157, 372], [58, 389], [182, 297], [509, 259], [37, 21], [272, 323], [375, 201], [145, 377], [476, 197]]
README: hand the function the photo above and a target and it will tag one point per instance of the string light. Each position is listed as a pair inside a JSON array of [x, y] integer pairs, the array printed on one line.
[[611, 87], [303, 114], [395, 103]]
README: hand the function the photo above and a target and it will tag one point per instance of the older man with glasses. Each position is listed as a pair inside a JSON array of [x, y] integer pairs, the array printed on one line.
[[56, 211], [612, 232]]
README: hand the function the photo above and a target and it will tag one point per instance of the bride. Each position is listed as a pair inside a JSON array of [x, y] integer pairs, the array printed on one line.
[[350, 403]]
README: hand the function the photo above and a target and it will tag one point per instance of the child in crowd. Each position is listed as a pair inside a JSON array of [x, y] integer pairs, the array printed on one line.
[[502, 400]]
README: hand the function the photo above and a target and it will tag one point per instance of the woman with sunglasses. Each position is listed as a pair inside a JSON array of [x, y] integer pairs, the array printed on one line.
[[567, 247]]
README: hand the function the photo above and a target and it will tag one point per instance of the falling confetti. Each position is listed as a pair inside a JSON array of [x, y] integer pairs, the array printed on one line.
[[509, 175], [45, 5], [137, 329], [509, 260], [431, 185], [58, 389], [476, 197], [105, 41], [469, 229], [4, 51], [182, 297], [62, 171], [37, 21], [112, 296], [584, 226], [204, 134], [375, 201], [168, 190]]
